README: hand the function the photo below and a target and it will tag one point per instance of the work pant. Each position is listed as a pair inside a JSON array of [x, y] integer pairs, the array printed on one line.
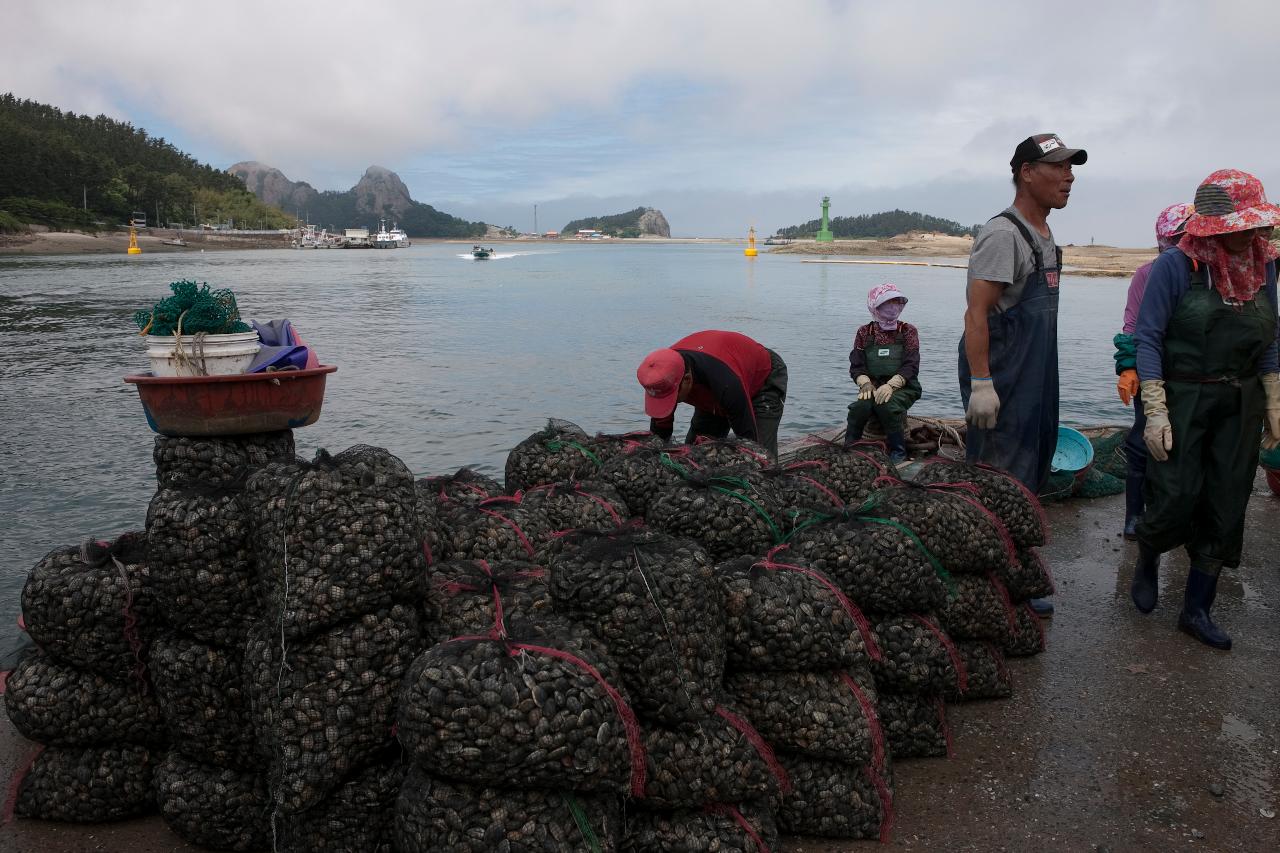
[[1135, 454], [892, 414], [1198, 497], [767, 403]]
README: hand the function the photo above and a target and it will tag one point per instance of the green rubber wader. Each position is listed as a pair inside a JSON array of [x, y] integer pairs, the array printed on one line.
[[1216, 408], [883, 362]]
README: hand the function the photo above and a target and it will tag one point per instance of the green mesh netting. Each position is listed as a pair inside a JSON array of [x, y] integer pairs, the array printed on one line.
[[193, 308], [1105, 476], [1109, 454]]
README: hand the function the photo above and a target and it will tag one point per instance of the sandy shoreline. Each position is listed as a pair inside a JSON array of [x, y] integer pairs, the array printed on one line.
[[117, 243], [1081, 260]]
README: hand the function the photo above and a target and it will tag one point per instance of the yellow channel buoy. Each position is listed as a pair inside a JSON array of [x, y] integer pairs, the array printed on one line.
[[750, 251], [133, 242]]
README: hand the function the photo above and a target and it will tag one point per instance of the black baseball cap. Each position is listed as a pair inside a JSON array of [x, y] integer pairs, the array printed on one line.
[[1046, 148]]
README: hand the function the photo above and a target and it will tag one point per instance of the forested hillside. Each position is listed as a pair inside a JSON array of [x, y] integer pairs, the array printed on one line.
[[887, 224], [73, 171]]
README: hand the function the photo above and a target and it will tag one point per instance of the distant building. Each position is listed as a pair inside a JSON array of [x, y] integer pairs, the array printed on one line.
[[590, 234], [552, 235]]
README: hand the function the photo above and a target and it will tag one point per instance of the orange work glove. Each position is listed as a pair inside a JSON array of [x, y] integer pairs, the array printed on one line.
[[1127, 385]]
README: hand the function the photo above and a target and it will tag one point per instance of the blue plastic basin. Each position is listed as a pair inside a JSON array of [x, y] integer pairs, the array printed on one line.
[[1073, 453]]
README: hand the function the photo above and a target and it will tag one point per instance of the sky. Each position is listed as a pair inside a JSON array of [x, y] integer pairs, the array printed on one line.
[[723, 115]]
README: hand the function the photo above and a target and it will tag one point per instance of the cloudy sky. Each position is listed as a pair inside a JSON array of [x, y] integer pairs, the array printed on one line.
[[722, 114]]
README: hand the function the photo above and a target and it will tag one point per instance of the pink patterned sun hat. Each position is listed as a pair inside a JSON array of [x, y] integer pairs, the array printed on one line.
[[1230, 200]]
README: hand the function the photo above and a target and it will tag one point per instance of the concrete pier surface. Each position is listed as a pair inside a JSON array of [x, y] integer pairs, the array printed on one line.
[[1126, 735]]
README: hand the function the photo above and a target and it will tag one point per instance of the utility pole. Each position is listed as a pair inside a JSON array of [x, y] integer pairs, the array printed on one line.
[[535, 220], [84, 190]]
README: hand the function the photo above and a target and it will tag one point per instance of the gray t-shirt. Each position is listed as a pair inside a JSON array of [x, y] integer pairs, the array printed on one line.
[[1000, 254]]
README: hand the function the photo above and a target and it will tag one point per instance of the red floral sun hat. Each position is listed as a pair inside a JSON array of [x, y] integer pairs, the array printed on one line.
[[1230, 200]]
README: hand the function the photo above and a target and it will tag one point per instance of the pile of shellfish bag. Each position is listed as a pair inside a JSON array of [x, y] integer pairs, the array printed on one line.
[[210, 787], [338, 548], [799, 660], [80, 689]]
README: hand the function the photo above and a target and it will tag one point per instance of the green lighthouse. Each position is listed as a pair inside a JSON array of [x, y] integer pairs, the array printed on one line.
[[824, 233]]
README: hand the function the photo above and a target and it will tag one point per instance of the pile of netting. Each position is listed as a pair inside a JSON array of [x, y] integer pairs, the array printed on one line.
[[638, 647], [192, 309]]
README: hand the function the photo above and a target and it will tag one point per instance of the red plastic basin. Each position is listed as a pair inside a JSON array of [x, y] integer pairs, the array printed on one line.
[[231, 405], [1273, 480]]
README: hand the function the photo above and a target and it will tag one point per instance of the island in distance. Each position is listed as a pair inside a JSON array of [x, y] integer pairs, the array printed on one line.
[[641, 222]]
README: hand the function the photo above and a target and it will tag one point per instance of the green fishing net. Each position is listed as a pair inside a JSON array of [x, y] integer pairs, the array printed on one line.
[[1109, 454], [193, 308]]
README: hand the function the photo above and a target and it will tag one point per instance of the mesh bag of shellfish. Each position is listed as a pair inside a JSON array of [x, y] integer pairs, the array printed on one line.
[[90, 605], [836, 799], [358, 816], [507, 712], [435, 815], [880, 564], [655, 602], [915, 725], [917, 656], [203, 576], [609, 446], [986, 674], [467, 596], [804, 496], [58, 704], [559, 451], [324, 705], [728, 454], [722, 827], [847, 471], [821, 714], [465, 486], [1028, 577], [780, 615], [501, 528], [1013, 503], [581, 505], [1029, 639], [334, 538], [215, 807], [437, 495], [731, 513], [85, 784], [952, 524], [562, 542], [221, 461], [642, 472], [200, 689], [980, 609], [719, 759]]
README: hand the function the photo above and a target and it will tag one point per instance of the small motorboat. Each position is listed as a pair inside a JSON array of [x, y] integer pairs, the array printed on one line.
[[480, 253]]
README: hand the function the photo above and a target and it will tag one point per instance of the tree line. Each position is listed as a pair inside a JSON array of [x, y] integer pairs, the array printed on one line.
[[619, 225], [67, 170], [890, 223]]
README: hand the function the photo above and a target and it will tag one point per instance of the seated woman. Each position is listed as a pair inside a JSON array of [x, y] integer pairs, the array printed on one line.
[[885, 362]]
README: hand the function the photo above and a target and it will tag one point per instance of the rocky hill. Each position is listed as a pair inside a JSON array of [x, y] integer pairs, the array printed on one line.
[[379, 193], [641, 222]]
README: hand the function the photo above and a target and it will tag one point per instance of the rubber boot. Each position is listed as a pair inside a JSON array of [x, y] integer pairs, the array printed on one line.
[[1133, 505], [1145, 590], [1202, 588], [897, 444]]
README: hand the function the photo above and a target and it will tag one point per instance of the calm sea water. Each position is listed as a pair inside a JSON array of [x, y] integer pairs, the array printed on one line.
[[447, 361]]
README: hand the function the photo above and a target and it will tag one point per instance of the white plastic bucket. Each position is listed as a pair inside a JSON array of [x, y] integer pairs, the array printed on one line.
[[214, 355]]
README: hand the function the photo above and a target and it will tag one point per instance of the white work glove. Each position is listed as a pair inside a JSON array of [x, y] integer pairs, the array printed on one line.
[[885, 391], [1158, 433], [866, 387], [1271, 384], [984, 405]]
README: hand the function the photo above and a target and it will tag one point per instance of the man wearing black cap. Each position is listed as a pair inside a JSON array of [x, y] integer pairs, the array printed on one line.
[[1009, 351]]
